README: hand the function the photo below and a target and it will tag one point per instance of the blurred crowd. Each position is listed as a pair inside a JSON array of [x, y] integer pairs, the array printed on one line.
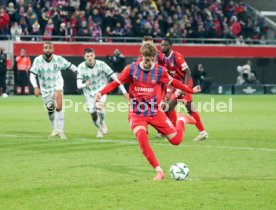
[[96, 19]]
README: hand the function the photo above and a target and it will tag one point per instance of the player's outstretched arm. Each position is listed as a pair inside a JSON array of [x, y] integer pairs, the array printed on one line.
[[176, 83], [109, 87]]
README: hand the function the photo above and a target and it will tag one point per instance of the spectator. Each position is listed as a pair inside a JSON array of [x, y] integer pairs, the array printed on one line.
[[16, 31], [35, 32], [108, 33], [12, 12], [199, 76], [240, 40], [108, 20], [96, 33], [180, 19], [62, 32], [117, 61], [49, 30], [83, 31], [118, 30], [31, 17], [235, 26], [3, 73], [23, 64], [4, 22]]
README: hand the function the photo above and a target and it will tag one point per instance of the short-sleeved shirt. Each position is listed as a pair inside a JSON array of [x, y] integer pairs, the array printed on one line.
[[175, 64], [49, 73], [98, 76], [145, 87]]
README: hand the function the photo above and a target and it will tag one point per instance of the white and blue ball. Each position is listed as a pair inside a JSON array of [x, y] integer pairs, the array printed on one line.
[[179, 171]]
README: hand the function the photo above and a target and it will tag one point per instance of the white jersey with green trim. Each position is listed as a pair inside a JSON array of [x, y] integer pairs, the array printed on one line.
[[98, 76], [49, 75]]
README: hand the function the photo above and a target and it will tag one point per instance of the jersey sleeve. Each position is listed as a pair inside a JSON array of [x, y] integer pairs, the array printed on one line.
[[65, 64], [124, 76], [107, 69], [34, 68], [79, 72], [180, 60]]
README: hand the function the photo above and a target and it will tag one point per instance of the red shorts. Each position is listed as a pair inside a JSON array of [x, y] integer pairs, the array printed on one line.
[[160, 122]]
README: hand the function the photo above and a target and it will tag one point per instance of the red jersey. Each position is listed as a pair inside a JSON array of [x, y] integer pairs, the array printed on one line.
[[176, 65], [145, 87]]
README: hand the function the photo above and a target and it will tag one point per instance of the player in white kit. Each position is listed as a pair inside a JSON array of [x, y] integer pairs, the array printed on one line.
[[47, 68], [92, 77]]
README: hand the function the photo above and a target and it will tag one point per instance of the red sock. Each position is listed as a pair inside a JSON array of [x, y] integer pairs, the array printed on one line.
[[18, 90], [198, 121], [143, 140], [26, 90], [180, 128], [172, 116]]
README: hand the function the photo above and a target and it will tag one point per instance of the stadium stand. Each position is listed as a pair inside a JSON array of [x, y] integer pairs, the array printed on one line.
[[122, 20]]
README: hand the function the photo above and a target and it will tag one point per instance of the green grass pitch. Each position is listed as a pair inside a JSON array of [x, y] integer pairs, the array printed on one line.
[[234, 169]]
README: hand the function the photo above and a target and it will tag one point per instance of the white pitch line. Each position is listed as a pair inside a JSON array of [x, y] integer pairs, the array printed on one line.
[[159, 144]]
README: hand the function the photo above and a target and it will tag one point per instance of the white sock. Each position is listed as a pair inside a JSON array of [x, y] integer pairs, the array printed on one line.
[[60, 120], [101, 115], [52, 119], [203, 132], [158, 169]]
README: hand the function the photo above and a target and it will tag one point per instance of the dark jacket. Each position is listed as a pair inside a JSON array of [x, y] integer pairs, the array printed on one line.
[[3, 62]]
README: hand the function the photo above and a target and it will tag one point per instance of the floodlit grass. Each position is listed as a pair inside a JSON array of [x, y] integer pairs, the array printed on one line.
[[234, 169]]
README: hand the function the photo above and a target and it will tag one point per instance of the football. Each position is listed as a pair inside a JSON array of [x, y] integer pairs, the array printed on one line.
[[179, 171]]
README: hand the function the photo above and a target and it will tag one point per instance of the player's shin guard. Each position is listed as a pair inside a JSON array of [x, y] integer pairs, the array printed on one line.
[[60, 120], [172, 116], [180, 130], [143, 140], [198, 124], [101, 116], [97, 122], [52, 118]]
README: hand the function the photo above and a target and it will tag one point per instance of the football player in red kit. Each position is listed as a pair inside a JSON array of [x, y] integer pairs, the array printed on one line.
[[145, 84], [177, 67], [159, 56]]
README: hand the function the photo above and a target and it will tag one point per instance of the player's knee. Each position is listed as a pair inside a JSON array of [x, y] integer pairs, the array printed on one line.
[[59, 108], [50, 106], [174, 139], [138, 129]]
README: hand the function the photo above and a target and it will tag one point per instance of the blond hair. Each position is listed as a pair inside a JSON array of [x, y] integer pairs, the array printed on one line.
[[148, 50]]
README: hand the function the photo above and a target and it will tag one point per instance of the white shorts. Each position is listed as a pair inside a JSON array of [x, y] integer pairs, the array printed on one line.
[[50, 92], [91, 103], [49, 100]]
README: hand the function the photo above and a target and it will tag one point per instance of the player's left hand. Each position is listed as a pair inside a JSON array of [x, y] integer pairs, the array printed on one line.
[[197, 89], [98, 96]]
